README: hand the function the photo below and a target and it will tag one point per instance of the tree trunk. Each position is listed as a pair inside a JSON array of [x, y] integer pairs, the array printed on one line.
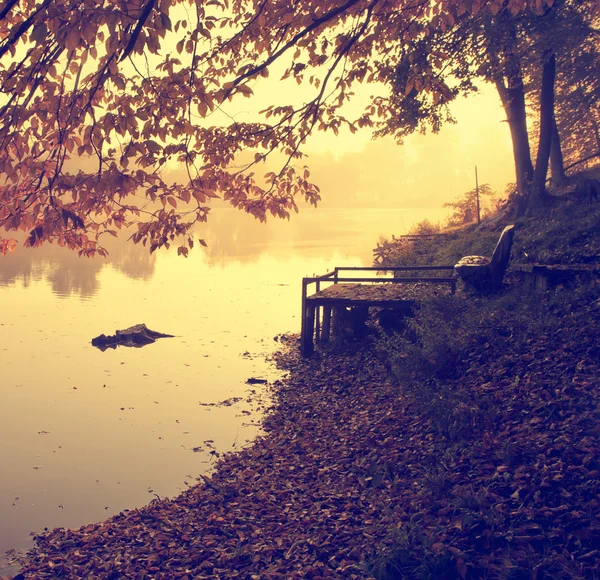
[[557, 165], [596, 129], [509, 83], [513, 100], [539, 193]]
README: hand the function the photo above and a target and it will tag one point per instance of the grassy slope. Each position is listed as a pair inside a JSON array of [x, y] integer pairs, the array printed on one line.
[[509, 385], [567, 232]]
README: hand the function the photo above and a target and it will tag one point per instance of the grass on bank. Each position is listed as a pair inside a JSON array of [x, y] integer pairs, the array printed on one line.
[[565, 232], [501, 382]]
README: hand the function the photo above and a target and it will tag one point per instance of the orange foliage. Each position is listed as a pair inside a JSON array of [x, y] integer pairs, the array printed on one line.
[[7, 246], [98, 97]]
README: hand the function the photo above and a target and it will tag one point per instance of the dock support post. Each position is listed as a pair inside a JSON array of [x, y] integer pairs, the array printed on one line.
[[303, 316], [318, 318], [326, 323], [307, 346], [307, 323]]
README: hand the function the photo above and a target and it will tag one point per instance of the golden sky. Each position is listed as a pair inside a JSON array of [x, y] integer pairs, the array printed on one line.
[[352, 170], [426, 170]]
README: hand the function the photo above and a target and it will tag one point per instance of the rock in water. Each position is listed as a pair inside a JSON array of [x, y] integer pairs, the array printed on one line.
[[255, 381], [138, 335]]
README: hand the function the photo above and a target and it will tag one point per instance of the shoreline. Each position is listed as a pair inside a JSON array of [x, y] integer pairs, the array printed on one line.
[[356, 478], [289, 505]]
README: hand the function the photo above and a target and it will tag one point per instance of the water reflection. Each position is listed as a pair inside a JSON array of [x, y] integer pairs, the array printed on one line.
[[67, 273], [231, 236]]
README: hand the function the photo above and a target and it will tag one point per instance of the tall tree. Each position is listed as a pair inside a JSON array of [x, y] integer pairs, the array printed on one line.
[[467, 208], [98, 97], [576, 94], [577, 102], [515, 51]]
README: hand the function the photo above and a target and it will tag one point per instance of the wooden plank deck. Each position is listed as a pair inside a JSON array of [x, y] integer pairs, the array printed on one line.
[[398, 293], [381, 295]]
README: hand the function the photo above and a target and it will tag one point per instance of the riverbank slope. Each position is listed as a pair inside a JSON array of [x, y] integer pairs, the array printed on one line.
[[467, 447]]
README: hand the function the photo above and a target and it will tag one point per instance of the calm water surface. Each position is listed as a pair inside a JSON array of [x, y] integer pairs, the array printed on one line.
[[85, 434]]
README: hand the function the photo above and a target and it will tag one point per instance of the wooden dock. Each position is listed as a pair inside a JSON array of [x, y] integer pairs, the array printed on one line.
[[335, 293]]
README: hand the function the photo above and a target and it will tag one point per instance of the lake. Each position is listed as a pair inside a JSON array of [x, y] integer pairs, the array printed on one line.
[[85, 434]]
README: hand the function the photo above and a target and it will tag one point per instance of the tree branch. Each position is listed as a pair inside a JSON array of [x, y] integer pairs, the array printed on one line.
[[138, 28], [22, 29], [293, 41], [7, 8]]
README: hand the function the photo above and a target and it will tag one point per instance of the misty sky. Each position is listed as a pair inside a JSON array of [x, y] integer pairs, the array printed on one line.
[[425, 171]]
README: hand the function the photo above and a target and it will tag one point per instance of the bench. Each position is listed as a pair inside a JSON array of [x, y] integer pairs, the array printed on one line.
[[545, 276], [485, 274]]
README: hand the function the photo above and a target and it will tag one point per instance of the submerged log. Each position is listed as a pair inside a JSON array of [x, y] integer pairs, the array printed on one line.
[[138, 335]]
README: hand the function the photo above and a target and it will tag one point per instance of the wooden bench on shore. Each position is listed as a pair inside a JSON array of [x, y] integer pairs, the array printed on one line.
[[335, 294], [545, 276]]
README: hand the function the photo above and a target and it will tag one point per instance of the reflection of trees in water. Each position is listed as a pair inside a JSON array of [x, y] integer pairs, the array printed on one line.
[[64, 270], [231, 235], [12, 269], [72, 275], [69, 274], [133, 260], [234, 235]]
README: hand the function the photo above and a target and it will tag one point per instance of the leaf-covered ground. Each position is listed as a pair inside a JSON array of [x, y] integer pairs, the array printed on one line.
[[352, 481]]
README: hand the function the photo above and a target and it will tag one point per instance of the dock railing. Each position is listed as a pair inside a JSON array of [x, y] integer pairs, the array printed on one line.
[[312, 322]]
